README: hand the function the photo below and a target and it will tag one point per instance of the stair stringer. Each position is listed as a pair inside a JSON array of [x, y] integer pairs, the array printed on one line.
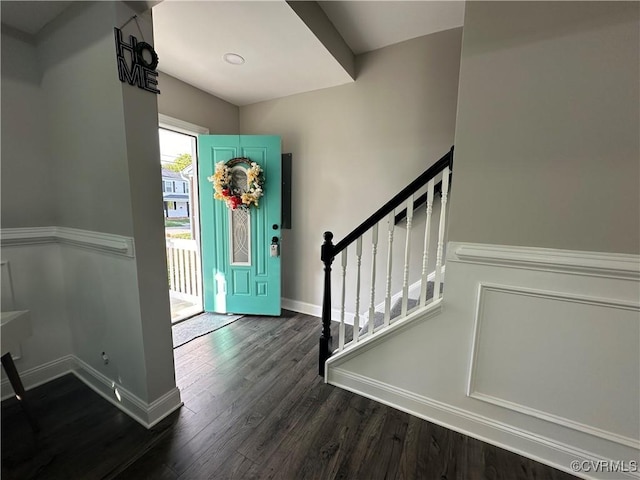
[[367, 343]]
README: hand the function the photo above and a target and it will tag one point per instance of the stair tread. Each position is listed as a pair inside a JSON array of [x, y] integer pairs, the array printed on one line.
[[396, 310]]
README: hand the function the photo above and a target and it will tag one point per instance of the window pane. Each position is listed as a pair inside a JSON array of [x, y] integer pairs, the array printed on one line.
[[240, 220]]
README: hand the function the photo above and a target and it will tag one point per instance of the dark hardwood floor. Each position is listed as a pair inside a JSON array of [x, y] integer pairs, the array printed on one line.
[[254, 408]]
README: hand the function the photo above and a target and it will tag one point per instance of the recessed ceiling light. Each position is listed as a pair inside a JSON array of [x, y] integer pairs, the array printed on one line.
[[233, 58]]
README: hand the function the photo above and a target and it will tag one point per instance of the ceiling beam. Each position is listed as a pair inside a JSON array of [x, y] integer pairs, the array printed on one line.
[[317, 21]]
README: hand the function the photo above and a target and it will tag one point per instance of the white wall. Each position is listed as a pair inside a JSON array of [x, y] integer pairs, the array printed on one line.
[[104, 313], [547, 142], [179, 212], [39, 286], [355, 146], [145, 172]]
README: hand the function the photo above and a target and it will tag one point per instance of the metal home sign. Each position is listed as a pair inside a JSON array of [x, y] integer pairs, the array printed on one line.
[[137, 71]]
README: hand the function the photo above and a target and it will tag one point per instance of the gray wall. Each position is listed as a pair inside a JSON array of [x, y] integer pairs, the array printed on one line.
[[355, 146], [190, 104], [85, 131], [26, 165], [84, 149], [547, 133]]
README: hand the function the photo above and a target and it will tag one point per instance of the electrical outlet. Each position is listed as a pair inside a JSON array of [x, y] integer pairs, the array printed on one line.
[[105, 358]]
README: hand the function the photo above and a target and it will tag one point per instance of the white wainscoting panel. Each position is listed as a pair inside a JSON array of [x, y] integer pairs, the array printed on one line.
[[535, 350], [568, 359], [38, 286], [81, 290]]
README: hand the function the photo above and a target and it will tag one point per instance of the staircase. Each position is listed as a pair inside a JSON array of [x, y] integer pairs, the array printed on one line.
[[404, 292], [396, 310]]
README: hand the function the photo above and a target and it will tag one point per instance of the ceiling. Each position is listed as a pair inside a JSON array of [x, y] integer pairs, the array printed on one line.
[[30, 17], [283, 56], [367, 26]]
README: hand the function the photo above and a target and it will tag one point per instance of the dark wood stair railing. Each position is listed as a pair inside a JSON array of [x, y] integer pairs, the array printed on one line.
[[329, 250]]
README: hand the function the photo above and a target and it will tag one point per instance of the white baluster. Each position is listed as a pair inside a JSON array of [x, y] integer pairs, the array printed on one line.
[[407, 254], [387, 299], [170, 266], [356, 318], [192, 268], [344, 286], [441, 227], [183, 273], [176, 264], [425, 253], [374, 250], [176, 276]]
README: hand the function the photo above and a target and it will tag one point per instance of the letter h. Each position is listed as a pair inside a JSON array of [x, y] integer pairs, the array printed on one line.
[[121, 46]]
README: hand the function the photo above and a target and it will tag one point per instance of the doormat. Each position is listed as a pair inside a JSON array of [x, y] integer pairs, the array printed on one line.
[[195, 327]]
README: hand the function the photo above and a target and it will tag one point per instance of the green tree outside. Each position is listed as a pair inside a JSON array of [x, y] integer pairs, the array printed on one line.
[[180, 163]]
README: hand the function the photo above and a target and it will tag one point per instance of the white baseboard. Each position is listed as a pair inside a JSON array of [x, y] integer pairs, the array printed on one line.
[[147, 414], [314, 310], [549, 451], [34, 377]]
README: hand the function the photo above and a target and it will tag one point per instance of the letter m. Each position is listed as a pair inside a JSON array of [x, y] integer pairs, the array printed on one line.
[[133, 77]]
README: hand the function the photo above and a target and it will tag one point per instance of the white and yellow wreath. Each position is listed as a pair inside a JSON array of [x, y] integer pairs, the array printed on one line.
[[226, 190]]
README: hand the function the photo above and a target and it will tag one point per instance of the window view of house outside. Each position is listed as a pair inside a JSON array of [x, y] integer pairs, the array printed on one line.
[[177, 169]]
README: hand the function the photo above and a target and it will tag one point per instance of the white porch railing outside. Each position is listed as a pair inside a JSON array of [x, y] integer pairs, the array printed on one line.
[[183, 264]]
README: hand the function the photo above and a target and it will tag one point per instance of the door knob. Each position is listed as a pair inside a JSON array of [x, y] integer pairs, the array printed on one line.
[[274, 250]]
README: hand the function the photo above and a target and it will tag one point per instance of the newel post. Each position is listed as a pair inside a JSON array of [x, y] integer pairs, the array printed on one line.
[[327, 256]]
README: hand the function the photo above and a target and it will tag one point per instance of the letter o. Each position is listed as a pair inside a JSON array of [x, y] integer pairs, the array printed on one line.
[[140, 47]]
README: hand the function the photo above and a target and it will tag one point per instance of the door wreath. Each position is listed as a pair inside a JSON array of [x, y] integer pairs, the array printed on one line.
[[238, 182]]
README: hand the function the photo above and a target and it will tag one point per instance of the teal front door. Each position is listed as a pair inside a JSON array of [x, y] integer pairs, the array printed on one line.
[[240, 242]]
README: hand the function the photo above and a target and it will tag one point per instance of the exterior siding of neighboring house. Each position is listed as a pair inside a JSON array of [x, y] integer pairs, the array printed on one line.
[[176, 194]]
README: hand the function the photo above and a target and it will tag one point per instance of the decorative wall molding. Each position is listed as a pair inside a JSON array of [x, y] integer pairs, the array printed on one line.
[[553, 452], [557, 419], [98, 241], [600, 264], [483, 290], [147, 414]]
